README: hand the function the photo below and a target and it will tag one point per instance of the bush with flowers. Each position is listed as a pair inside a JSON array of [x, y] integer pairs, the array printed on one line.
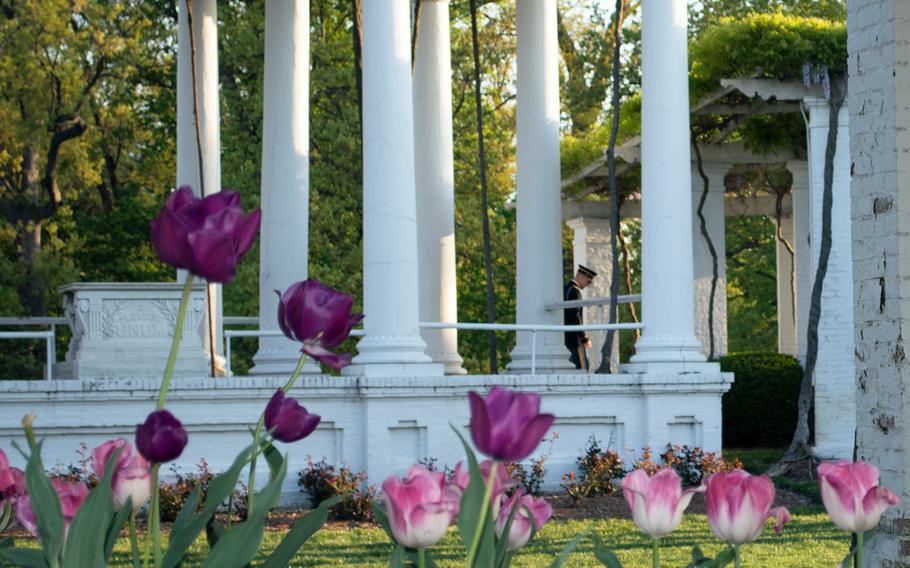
[[77, 526]]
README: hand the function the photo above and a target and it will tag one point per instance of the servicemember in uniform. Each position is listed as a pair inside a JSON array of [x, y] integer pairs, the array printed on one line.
[[577, 342]]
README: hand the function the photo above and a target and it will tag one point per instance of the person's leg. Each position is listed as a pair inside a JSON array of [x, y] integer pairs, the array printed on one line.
[[575, 359]]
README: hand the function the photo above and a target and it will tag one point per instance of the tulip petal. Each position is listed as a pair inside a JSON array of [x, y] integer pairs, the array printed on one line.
[[246, 233], [480, 422], [331, 359], [213, 255], [169, 238], [782, 515]]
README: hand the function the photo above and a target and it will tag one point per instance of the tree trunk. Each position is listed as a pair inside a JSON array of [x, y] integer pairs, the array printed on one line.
[[799, 447], [493, 353], [357, 40], [606, 351], [703, 227]]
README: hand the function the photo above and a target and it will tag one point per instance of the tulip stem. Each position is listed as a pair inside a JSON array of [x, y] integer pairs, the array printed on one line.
[[655, 553], [134, 540], [482, 519], [858, 555], [257, 434], [421, 558], [155, 519], [175, 343], [737, 556]]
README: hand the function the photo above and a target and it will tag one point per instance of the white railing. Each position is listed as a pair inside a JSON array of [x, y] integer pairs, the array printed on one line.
[[534, 329], [47, 336], [229, 333], [596, 301]]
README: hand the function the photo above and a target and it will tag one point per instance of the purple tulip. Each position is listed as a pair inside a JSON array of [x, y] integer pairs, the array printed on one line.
[[420, 507], [852, 495], [132, 476], [522, 522], [738, 504], [287, 420], [205, 236], [319, 317], [507, 425], [161, 438]]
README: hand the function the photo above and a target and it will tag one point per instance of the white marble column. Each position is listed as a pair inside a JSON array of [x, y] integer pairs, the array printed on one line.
[[802, 228], [539, 232], [392, 344], [435, 179], [787, 281], [205, 26], [591, 246], [284, 238], [668, 310], [703, 268], [835, 395]]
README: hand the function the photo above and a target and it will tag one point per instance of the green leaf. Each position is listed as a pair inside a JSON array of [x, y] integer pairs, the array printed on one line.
[[604, 554], [568, 549], [113, 532], [470, 508], [382, 519], [238, 546], [272, 457], [302, 530], [397, 558], [46, 505], [24, 557], [726, 556], [214, 530], [184, 534], [697, 554], [85, 543], [188, 509]]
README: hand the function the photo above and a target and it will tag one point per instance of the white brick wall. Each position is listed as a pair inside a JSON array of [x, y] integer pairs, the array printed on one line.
[[879, 54], [378, 425]]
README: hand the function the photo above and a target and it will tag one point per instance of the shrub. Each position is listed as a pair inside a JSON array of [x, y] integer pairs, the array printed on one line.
[[692, 464], [598, 472], [175, 494], [530, 477], [759, 411], [321, 481]]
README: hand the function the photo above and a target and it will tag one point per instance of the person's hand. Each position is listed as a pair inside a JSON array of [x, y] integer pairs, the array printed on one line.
[[588, 344]]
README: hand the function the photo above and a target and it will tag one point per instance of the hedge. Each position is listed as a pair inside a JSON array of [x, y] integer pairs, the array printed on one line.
[[759, 411]]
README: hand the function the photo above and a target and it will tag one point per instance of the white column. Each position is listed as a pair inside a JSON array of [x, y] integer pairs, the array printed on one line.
[[435, 178], [539, 233], [835, 394], [284, 236], [667, 276], [591, 246], [787, 282], [392, 344], [802, 227], [205, 26], [703, 266]]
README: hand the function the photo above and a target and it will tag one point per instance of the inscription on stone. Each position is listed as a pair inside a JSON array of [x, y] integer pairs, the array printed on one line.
[[137, 318]]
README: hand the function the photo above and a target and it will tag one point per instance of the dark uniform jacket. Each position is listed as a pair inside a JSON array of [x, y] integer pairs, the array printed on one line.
[[573, 316]]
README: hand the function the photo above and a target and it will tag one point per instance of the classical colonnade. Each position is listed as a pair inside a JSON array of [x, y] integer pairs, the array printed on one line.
[[408, 190]]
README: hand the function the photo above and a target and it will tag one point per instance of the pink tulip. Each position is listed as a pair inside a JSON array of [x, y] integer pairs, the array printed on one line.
[[658, 502], [420, 507], [738, 505], [132, 476], [852, 496], [461, 477], [522, 523], [7, 482], [71, 495]]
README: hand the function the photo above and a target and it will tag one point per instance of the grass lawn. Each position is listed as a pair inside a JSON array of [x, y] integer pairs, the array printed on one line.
[[810, 540]]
